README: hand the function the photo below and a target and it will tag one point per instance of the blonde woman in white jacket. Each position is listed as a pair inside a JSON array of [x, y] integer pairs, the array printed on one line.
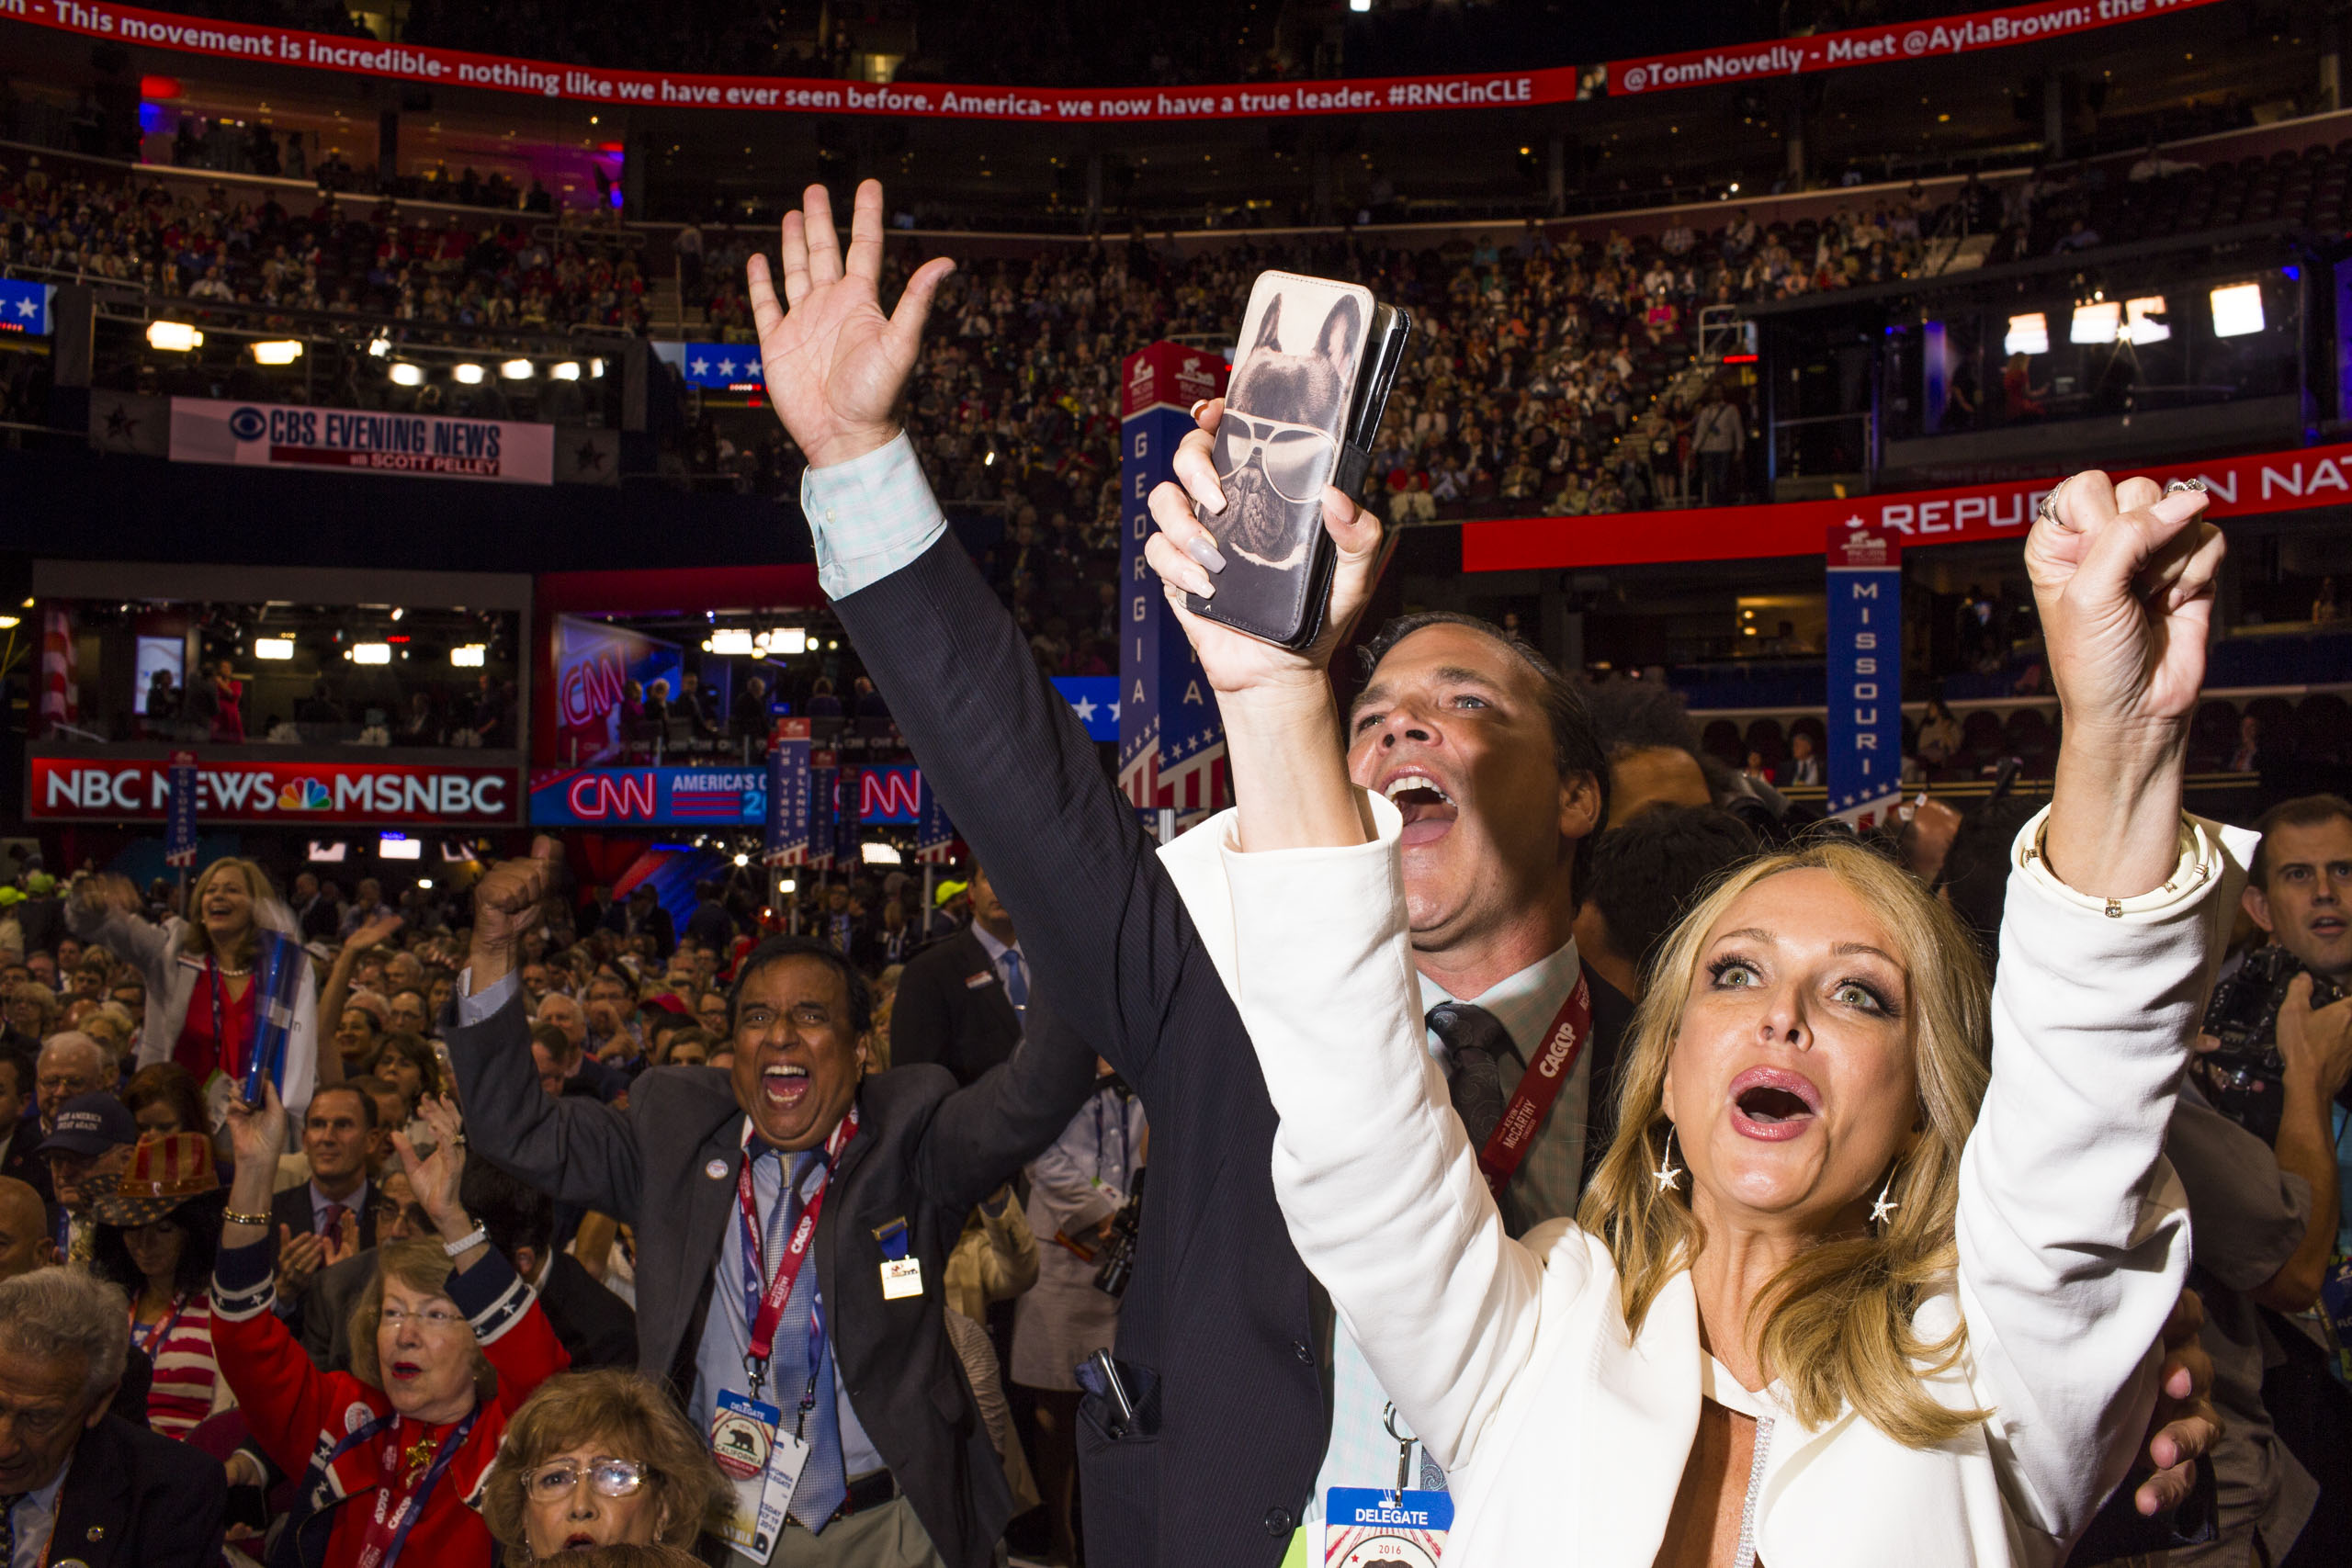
[[1833, 1299]]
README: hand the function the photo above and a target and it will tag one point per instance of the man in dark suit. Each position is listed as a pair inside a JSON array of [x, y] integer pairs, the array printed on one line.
[[596, 1326], [1242, 1410], [337, 1211], [92, 1486], [886, 1166], [960, 999], [643, 915]]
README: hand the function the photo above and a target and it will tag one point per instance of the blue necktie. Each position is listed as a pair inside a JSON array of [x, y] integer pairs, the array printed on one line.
[[1016, 979], [823, 1483]]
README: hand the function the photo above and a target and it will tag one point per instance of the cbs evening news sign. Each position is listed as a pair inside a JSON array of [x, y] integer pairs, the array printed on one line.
[[280, 435]]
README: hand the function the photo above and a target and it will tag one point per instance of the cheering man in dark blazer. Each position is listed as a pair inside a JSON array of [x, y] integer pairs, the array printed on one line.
[[1248, 1405], [725, 1174], [960, 1000]]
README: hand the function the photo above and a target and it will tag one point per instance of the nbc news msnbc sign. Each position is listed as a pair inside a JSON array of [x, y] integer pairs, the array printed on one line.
[[282, 435], [139, 789]]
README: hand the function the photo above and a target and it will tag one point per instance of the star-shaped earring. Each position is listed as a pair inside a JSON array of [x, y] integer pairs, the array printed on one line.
[[1885, 1205], [1667, 1176]]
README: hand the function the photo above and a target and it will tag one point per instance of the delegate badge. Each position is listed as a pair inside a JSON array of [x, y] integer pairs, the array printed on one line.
[[1366, 1528], [744, 1436]]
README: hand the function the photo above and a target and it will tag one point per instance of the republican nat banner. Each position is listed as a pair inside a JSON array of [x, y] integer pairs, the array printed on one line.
[[358, 441]]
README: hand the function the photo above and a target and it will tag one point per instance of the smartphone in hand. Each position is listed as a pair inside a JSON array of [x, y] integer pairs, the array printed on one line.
[[1309, 386]]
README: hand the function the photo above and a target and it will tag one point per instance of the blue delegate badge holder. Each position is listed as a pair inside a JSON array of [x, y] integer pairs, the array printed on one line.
[[1364, 1525]]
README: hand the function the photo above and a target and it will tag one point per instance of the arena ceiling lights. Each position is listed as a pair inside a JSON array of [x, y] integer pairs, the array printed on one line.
[[273, 648], [282, 351], [518, 370], [2029, 333], [407, 375], [174, 337]]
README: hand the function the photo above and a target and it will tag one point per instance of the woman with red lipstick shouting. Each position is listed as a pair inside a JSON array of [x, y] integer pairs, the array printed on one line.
[[446, 1344], [1852, 1286]]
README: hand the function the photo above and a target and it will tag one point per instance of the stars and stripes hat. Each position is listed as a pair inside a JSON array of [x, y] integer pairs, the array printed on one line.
[[166, 1169]]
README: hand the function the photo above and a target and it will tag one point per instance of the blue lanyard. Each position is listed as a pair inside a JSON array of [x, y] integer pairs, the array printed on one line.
[[413, 1508]]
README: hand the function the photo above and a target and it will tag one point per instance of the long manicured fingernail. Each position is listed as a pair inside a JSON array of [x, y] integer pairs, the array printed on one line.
[[1200, 550], [1198, 406], [2180, 506], [1198, 583], [1214, 500]]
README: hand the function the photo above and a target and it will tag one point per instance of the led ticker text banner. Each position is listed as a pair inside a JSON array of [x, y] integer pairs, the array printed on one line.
[[1883, 45], [1385, 95]]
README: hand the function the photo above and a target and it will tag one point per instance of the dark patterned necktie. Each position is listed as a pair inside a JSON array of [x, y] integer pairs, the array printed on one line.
[[1476, 1042]]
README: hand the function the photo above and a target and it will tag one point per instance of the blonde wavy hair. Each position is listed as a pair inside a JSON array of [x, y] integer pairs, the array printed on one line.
[[268, 910], [1836, 1321]]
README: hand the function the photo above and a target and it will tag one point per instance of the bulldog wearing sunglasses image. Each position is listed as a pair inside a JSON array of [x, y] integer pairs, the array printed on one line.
[[1278, 442]]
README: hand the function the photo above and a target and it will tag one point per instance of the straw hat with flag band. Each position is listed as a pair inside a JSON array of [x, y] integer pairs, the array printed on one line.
[[166, 1169]]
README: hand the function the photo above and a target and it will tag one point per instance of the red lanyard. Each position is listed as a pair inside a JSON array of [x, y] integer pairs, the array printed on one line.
[[401, 1494], [160, 1334], [1539, 1085], [795, 1248]]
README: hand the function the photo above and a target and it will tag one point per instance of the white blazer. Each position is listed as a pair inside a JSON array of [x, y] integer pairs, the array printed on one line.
[[1563, 1439]]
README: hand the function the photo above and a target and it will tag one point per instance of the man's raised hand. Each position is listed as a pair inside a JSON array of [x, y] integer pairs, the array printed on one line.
[[835, 363], [506, 905]]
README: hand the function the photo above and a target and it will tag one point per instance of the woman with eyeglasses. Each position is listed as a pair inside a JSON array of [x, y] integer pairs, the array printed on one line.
[[600, 1459], [446, 1342]]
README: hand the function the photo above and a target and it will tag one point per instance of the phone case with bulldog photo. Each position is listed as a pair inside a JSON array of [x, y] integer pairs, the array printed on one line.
[[1306, 395]]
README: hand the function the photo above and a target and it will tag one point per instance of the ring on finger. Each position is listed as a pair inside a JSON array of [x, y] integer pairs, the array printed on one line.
[[2174, 487], [2047, 510]]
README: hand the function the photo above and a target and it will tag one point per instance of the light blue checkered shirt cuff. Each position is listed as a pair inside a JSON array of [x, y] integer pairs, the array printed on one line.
[[871, 516]]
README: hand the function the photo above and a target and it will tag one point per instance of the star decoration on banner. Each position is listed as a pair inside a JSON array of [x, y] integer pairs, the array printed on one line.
[[119, 425], [589, 456], [727, 368], [1084, 707], [28, 308], [700, 367], [1114, 713]]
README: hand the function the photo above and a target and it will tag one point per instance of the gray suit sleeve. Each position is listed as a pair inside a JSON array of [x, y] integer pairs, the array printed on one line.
[[2246, 1215], [577, 1149]]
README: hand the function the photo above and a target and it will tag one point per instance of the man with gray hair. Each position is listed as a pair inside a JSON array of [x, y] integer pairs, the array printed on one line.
[[71, 1065], [76, 1482]]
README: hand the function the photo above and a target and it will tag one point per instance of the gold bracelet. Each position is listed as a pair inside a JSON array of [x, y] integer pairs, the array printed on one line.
[[235, 1218]]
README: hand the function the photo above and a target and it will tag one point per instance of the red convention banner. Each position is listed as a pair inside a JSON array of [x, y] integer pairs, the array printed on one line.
[[1384, 95], [1883, 45], [665, 89], [2270, 482]]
